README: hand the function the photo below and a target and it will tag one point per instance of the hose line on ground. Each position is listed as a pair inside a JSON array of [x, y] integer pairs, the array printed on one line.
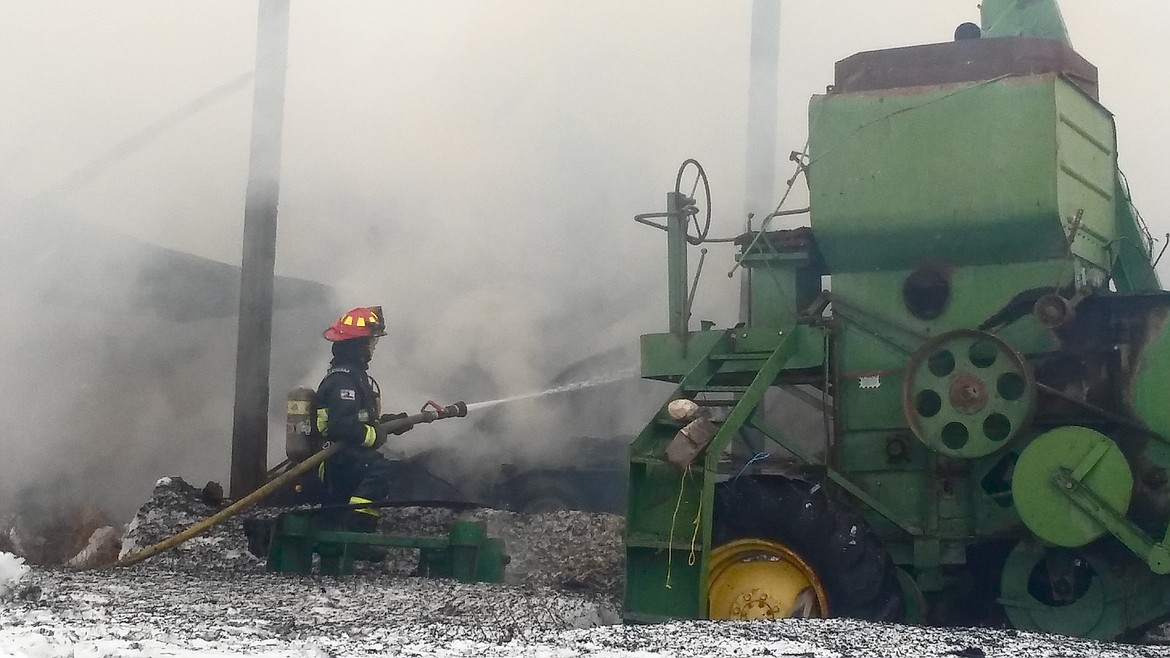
[[231, 510]]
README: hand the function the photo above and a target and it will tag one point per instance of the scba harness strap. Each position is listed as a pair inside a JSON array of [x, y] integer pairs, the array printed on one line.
[[321, 415]]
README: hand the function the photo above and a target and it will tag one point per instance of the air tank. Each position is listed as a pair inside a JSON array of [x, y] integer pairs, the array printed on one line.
[[298, 429]]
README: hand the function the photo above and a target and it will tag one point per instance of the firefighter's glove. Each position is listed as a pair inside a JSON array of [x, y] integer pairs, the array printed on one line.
[[379, 437], [385, 418]]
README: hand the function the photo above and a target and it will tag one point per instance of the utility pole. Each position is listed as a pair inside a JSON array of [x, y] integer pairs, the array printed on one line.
[[760, 161], [254, 341]]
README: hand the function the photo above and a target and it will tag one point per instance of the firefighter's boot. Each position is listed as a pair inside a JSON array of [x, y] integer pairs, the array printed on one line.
[[365, 523]]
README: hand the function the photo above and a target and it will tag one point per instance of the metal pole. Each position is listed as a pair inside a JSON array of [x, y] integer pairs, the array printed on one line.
[[676, 263], [254, 342]]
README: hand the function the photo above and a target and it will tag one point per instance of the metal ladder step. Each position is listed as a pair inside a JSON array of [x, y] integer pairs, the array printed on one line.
[[708, 388]]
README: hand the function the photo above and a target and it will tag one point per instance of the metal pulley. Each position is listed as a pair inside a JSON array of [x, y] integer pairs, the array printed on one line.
[[967, 393], [1053, 311]]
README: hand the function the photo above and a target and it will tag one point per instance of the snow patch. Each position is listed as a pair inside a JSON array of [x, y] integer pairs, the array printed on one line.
[[12, 571], [215, 599]]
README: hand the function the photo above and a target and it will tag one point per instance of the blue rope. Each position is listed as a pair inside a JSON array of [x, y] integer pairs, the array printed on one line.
[[755, 458]]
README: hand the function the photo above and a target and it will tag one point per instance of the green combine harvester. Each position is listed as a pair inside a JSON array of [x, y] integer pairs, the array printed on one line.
[[991, 365]]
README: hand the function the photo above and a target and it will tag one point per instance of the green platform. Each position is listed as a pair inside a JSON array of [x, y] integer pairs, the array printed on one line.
[[466, 554]]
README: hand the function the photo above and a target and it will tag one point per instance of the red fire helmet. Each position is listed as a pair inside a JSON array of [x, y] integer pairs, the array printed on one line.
[[361, 322]]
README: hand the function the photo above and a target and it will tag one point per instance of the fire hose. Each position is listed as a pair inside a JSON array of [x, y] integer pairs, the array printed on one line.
[[430, 413]]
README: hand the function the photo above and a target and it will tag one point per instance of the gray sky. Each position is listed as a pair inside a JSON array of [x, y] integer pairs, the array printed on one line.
[[473, 166], [421, 114]]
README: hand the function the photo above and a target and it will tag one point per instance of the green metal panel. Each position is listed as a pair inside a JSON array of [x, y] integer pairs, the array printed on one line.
[[668, 522], [870, 406], [977, 293], [901, 492], [885, 191], [883, 452], [291, 547], [662, 582], [1086, 157], [980, 198], [663, 578], [1022, 18], [467, 554], [667, 357], [739, 355], [994, 511], [1133, 267], [879, 334], [783, 285]]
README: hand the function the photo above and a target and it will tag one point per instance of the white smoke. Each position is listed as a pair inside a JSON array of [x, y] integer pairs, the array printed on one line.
[[473, 167]]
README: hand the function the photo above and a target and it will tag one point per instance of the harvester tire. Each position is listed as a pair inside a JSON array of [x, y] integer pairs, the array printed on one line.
[[854, 568], [538, 494]]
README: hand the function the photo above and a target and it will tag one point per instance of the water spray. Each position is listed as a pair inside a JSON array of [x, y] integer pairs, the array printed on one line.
[[564, 388]]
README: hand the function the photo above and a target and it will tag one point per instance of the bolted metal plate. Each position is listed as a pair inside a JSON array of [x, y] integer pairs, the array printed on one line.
[[967, 394], [1044, 508]]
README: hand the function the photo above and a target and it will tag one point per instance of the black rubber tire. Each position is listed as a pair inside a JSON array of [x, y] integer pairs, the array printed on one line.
[[828, 533], [537, 494]]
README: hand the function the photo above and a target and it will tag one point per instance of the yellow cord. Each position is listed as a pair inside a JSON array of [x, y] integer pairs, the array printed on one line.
[[682, 482], [698, 517]]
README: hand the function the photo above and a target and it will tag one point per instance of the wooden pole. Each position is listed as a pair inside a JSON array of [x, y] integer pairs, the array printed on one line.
[[254, 342]]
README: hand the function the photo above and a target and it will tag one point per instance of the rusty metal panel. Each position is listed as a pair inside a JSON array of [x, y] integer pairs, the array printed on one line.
[[963, 61]]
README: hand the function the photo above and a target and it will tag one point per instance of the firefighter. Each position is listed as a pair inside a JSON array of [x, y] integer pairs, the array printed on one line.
[[347, 406]]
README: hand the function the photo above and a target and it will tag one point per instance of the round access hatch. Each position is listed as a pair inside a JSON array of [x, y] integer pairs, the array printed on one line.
[[1044, 508]]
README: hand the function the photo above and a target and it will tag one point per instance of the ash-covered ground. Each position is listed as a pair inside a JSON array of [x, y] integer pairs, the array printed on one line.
[[565, 551], [210, 597]]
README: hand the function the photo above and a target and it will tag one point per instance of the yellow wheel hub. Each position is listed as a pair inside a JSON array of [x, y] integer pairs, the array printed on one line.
[[762, 579]]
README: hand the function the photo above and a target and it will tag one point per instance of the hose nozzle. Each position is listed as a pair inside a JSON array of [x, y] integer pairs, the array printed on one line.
[[431, 411], [457, 410]]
